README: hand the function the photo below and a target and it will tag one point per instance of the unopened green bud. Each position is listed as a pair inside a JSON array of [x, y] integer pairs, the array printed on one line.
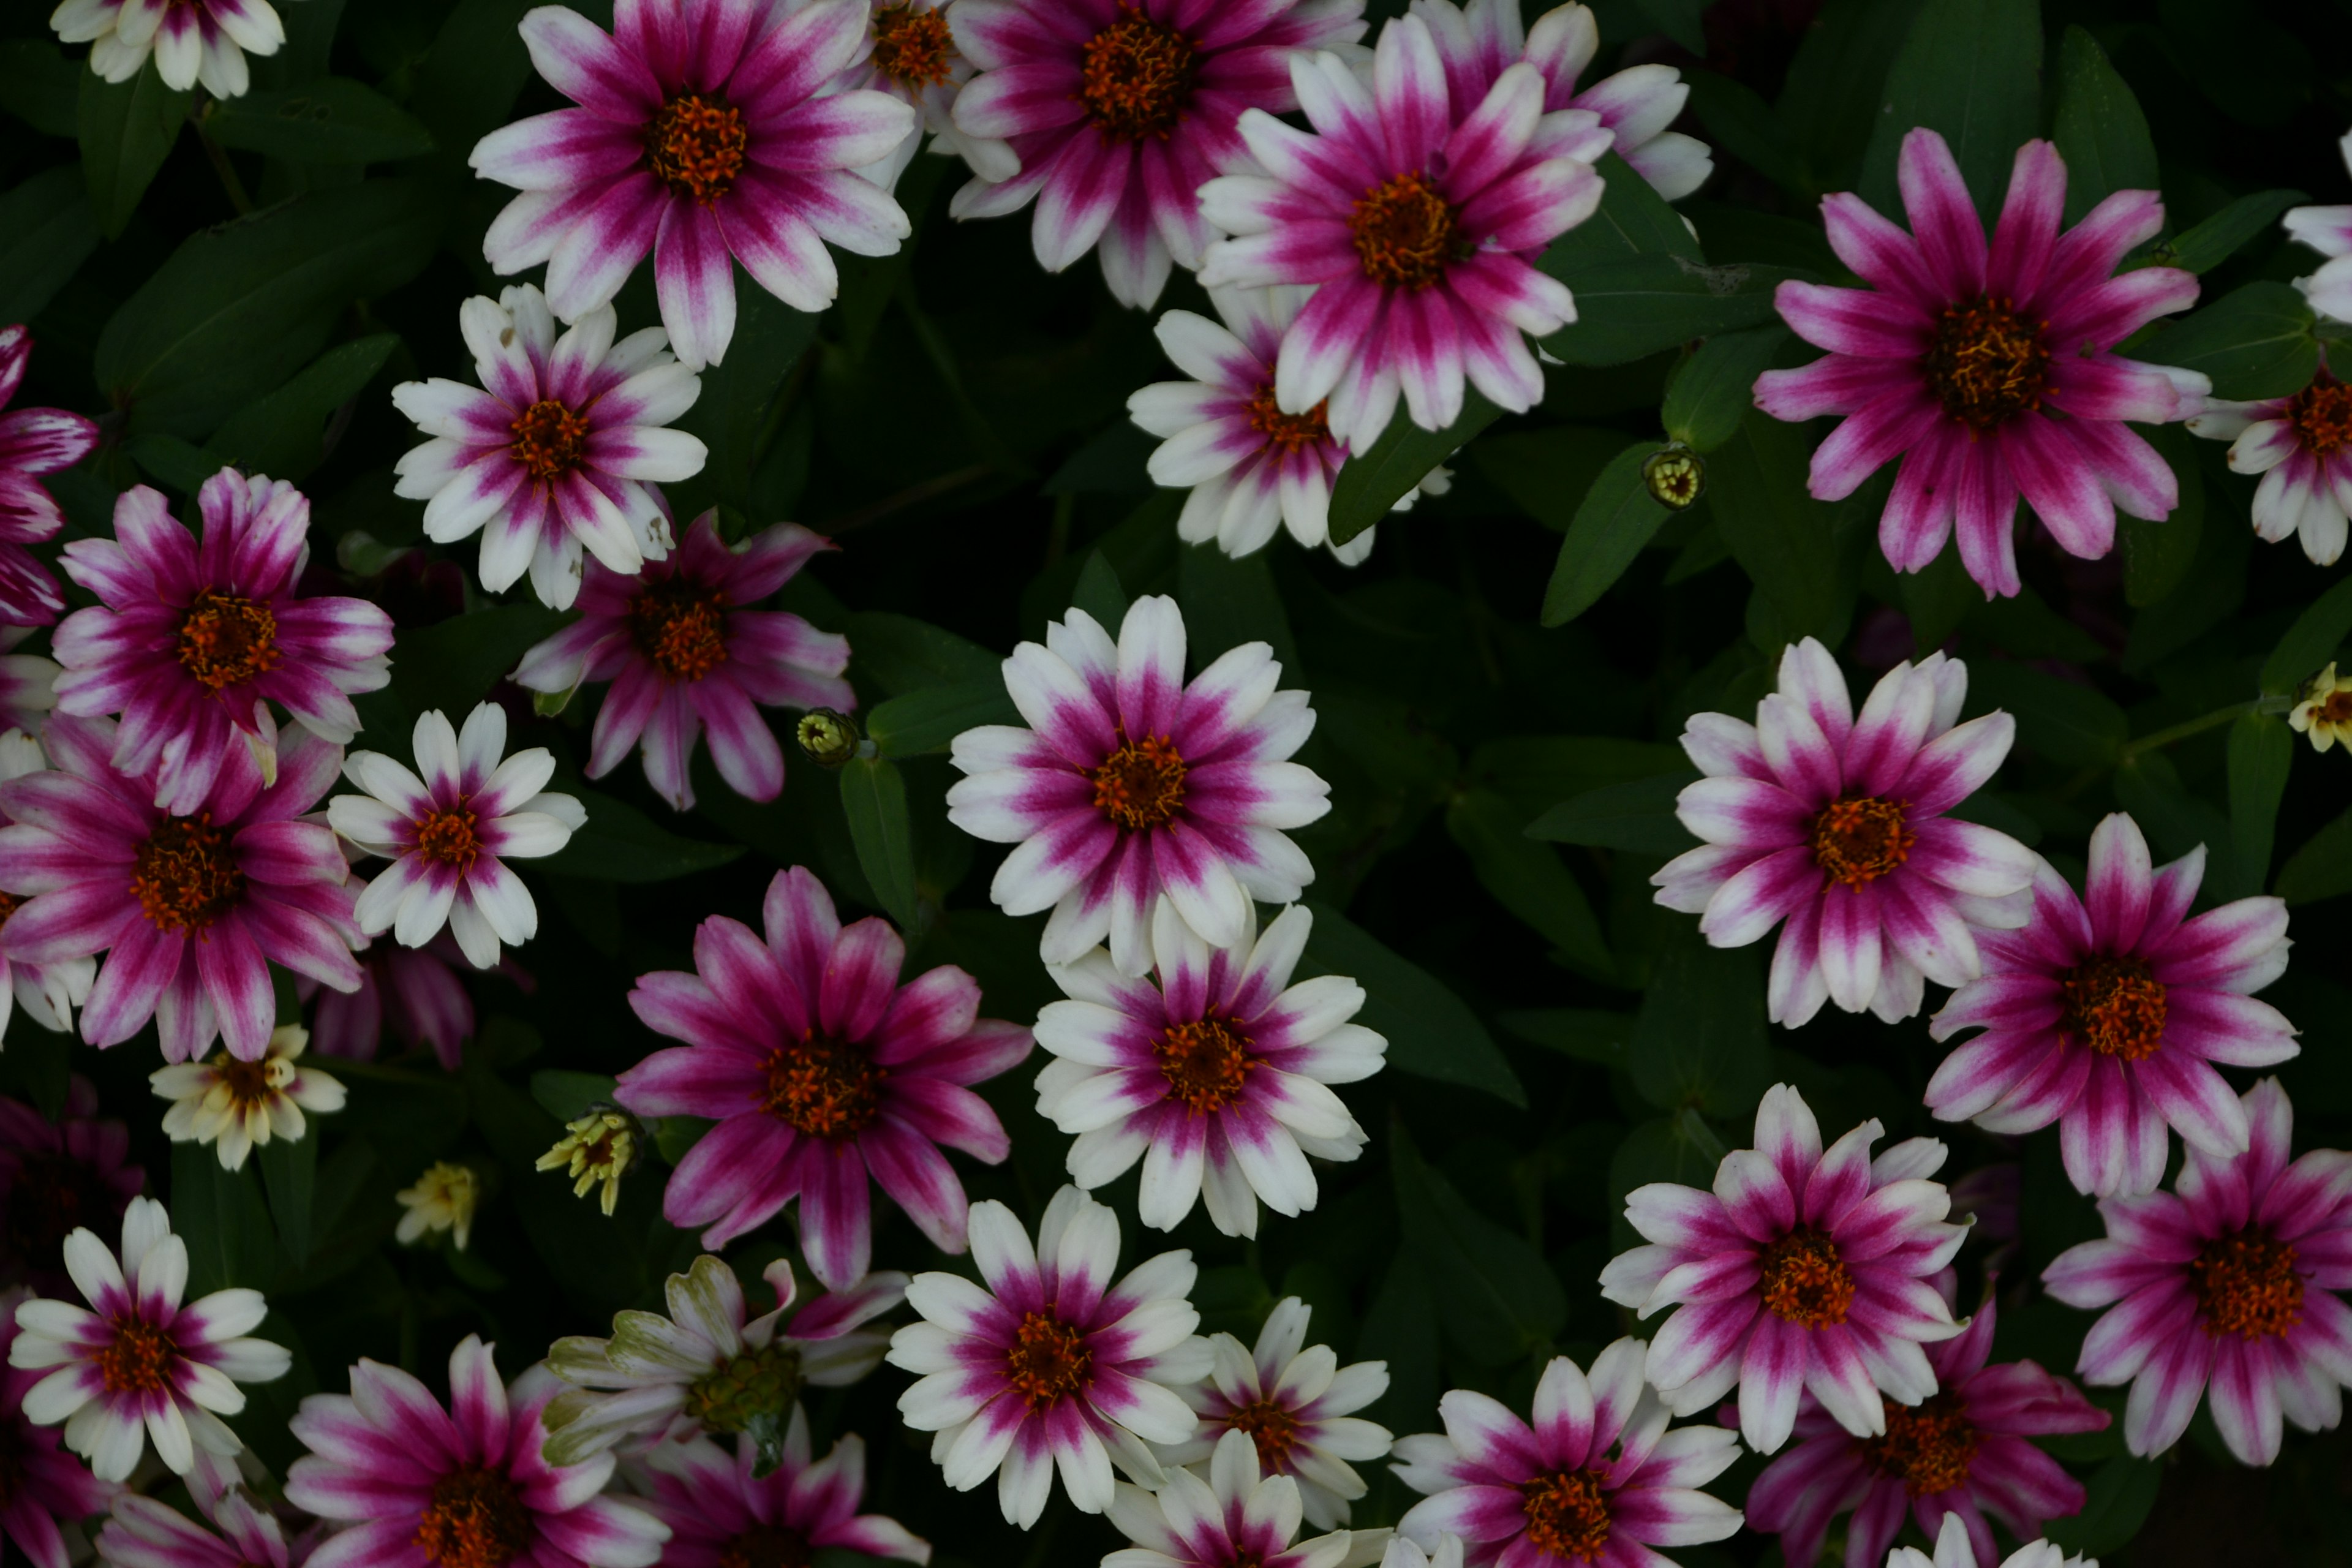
[[829, 738], [1674, 475]]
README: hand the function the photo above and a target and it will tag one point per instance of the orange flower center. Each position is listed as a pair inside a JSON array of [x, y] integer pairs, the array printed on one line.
[[2336, 708], [1404, 233], [826, 1087], [449, 837], [476, 1520], [225, 640], [1289, 433], [138, 1359], [912, 47], [1568, 1514], [247, 1082], [1861, 839], [184, 876], [1988, 363], [1205, 1063], [9, 904], [2322, 416], [2246, 1285], [1049, 1360], [694, 145], [680, 628], [768, 1546], [1135, 78], [548, 440], [1805, 1280], [1140, 785], [2114, 1006], [1271, 1427], [1929, 1446]]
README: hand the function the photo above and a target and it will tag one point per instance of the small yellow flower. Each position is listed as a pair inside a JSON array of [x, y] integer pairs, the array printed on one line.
[[444, 1198], [2326, 711], [598, 1147], [234, 1104]]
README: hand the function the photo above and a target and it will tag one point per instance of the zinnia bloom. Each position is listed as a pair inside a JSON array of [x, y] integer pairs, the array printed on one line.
[[1802, 1270], [193, 41], [191, 908], [56, 1177], [916, 61], [1129, 786], [1597, 1477], [145, 1533], [2324, 711], [1419, 214], [557, 451], [1989, 372], [460, 1488], [721, 1510], [235, 1105], [1214, 1077], [1052, 1365], [1235, 1516], [48, 992], [2328, 230], [442, 1199], [709, 134], [2298, 443], [142, 1366], [28, 683], [192, 643], [819, 1069], [1956, 1548], [415, 990], [2224, 1287], [1835, 823], [48, 1487], [33, 442], [686, 649], [1964, 1451], [1117, 112], [2107, 1015]]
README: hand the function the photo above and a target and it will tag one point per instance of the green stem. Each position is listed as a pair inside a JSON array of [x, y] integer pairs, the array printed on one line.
[[2182, 731], [221, 165]]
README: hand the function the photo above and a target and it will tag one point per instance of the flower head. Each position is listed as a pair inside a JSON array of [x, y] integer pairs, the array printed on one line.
[[557, 451], [821, 1070], [415, 990], [2328, 230], [1597, 1473], [1835, 823], [33, 442], [142, 1366], [1957, 1547], [917, 59], [2109, 1013], [193, 41], [192, 642], [2324, 711], [56, 1177], [145, 1533], [727, 1508], [735, 149], [1232, 1512], [450, 834], [48, 1488], [1129, 785], [1802, 1270], [2298, 443], [686, 650], [28, 683], [596, 1149], [1990, 372], [48, 992], [1051, 1367], [444, 1198], [2225, 1286], [234, 1104]]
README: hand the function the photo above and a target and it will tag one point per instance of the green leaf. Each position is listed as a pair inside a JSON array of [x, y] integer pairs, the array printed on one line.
[[46, 232], [874, 799], [453, 664], [1938, 598], [1782, 538], [126, 130], [1099, 594], [1619, 517], [1742, 124], [902, 654], [2175, 819], [2262, 750], [2214, 241], [1716, 387], [1700, 1039], [290, 1174], [2311, 642], [1680, 1149], [1227, 603], [2255, 342], [1972, 70], [1547, 471], [1536, 773], [929, 719], [731, 416], [621, 844], [1631, 309], [569, 1096], [222, 1218], [1632, 220], [1370, 485], [180, 465], [1529, 882], [41, 86], [332, 119], [467, 84], [2122, 1493], [1499, 1300], [1585, 1034], [1431, 1033], [1637, 816], [1678, 20], [2067, 723], [1835, 93], [2157, 554], [284, 434], [2322, 869], [2099, 129]]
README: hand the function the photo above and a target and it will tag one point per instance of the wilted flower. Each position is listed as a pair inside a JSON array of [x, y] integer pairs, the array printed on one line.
[[600, 1147], [235, 1105], [444, 1198]]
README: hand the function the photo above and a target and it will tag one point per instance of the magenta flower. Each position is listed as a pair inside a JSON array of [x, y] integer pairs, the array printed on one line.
[[2108, 1015], [1989, 372], [820, 1068], [1596, 1479], [48, 1486], [1963, 1452], [145, 1533], [415, 990], [2227, 1287], [684, 649], [1419, 214], [720, 1513], [192, 643], [1129, 785], [2298, 444], [1226, 1513], [1835, 823], [33, 442], [191, 909], [193, 41], [916, 59], [1118, 110], [57, 1177], [705, 133], [460, 1488], [48, 992], [1802, 1270]]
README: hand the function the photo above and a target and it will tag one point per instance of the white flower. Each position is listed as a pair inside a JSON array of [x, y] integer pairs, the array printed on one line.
[[1234, 1515], [448, 836], [192, 40], [916, 59], [2328, 230], [236, 1104], [444, 1198], [1954, 1550], [2296, 444], [48, 992], [142, 1366]]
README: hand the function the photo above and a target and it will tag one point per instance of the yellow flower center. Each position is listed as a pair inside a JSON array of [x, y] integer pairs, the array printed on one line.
[[1861, 839], [1404, 232], [1929, 1446], [2246, 1284], [476, 1520], [1568, 1514], [1805, 1280], [694, 145], [2114, 1006], [1142, 784], [184, 877]]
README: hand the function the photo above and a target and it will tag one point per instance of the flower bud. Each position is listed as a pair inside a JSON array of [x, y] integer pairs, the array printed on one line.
[[1674, 475], [830, 739]]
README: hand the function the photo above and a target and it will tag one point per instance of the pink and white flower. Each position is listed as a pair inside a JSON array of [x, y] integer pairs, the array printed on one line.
[[145, 1533], [411, 1480], [2298, 443], [917, 59], [415, 990], [1217, 1077], [48, 992], [2328, 230], [1965, 1451], [709, 134], [1990, 372], [450, 834], [50, 1489], [721, 1509], [33, 442], [820, 1069], [1130, 786], [1418, 215], [1835, 823], [190, 908], [686, 650], [191, 643], [560, 448], [1117, 112], [2108, 1014], [1052, 1365], [2225, 1286], [1596, 1477], [137, 1364], [1237, 1515], [1297, 1403], [1802, 1271], [1956, 1548], [193, 41], [56, 1177]]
